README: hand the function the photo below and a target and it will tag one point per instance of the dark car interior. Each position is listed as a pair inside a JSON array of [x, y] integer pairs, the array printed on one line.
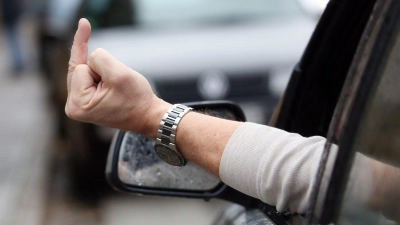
[[314, 89]]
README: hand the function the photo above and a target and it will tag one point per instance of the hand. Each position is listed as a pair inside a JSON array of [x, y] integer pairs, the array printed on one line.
[[106, 92]]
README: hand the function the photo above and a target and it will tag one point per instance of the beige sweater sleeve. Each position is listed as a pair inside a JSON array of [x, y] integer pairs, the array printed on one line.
[[275, 166], [280, 168]]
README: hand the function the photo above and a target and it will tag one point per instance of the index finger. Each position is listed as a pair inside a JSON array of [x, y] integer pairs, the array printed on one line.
[[79, 50]]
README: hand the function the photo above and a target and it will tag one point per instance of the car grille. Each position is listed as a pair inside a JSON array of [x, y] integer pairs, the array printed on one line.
[[248, 87]]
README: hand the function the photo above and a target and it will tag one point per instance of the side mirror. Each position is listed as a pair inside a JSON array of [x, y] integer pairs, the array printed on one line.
[[134, 167]]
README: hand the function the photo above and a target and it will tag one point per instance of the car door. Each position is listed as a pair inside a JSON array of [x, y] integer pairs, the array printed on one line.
[[361, 184], [344, 58]]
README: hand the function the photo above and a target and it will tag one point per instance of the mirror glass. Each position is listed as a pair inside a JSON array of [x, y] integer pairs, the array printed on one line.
[[139, 165]]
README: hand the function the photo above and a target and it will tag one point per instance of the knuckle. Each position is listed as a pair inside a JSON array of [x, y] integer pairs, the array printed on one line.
[[71, 113], [124, 77], [99, 50], [77, 114], [68, 110], [96, 54], [74, 111]]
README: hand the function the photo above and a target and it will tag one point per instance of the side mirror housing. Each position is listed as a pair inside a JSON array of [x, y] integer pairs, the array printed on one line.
[[134, 167]]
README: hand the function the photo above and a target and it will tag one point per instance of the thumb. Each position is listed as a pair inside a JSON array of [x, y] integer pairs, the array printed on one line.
[[79, 50]]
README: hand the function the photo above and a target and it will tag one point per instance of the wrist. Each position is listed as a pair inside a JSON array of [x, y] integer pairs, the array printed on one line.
[[153, 117]]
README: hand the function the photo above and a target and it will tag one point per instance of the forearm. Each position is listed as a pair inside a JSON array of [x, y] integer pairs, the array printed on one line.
[[200, 138]]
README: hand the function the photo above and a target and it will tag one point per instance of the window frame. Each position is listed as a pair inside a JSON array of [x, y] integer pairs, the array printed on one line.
[[351, 107]]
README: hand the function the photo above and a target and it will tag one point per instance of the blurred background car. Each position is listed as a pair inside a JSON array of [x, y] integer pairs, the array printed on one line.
[[242, 51]]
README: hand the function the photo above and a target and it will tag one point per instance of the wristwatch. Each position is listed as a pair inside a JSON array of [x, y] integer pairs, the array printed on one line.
[[165, 146]]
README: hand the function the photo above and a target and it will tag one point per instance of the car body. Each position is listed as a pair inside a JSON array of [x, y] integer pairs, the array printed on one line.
[[345, 88]]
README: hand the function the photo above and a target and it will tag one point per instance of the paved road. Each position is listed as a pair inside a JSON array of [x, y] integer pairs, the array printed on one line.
[[33, 194], [25, 134]]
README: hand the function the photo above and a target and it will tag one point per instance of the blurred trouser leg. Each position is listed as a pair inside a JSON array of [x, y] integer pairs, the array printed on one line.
[[14, 47]]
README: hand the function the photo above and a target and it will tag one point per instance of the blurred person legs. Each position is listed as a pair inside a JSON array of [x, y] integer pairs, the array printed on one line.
[[14, 47], [11, 12]]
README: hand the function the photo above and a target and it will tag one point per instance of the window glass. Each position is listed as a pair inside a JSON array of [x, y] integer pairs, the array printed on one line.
[[372, 193]]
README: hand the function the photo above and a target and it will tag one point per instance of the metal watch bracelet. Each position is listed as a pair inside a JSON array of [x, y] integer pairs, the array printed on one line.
[[168, 126]]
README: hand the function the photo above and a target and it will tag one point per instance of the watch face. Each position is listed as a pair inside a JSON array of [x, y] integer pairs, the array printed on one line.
[[169, 155]]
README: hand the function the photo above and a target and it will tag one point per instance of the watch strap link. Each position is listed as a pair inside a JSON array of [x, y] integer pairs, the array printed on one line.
[[167, 129]]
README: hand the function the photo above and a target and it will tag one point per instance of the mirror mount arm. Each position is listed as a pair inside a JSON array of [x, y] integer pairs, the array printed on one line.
[[232, 195]]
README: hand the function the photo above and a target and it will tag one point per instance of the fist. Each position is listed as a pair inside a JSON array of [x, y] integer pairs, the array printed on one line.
[[106, 92]]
